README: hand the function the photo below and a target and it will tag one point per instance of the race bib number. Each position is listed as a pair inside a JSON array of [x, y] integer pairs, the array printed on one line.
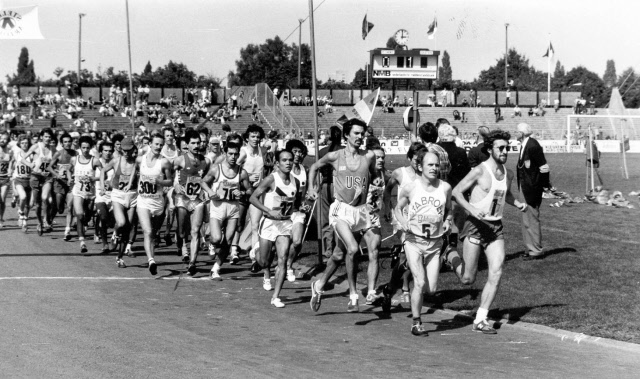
[[286, 206], [4, 168], [44, 167], [430, 225], [192, 187], [23, 170], [123, 180], [496, 204], [62, 171], [147, 186], [225, 190], [375, 198]]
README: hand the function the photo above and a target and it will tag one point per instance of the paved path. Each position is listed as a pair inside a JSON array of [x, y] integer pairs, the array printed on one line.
[[66, 315]]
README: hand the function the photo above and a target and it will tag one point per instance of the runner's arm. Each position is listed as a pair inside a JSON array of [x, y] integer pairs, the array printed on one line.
[[54, 162], [328, 159], [448, 215], [167, 171], [510, 199], [256, 198], [207, 180], [467, 182], [403, 201], [246, 184], [386, 196]]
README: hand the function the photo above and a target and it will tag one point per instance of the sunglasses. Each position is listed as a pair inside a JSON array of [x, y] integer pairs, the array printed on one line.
[[501, 148]]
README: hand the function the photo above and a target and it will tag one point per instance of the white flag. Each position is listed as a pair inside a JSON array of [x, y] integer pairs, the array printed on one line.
[[363, 109], [20, 23]]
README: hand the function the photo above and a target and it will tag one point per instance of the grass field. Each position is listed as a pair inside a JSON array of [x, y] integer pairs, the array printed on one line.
[[589, 279]]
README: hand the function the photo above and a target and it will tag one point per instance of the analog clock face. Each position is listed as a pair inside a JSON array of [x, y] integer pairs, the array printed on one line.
[[402, 37]]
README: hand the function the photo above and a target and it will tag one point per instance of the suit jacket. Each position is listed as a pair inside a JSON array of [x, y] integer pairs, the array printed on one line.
[[530, 180]]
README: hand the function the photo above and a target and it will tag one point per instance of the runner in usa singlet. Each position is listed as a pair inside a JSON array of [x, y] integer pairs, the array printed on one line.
[[351, 184]]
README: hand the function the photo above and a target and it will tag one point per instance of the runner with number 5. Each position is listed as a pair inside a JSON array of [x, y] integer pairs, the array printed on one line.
[[428, 205]]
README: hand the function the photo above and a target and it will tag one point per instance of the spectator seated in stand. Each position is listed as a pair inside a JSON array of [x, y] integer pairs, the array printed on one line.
[[530, 113], [517, 112], [456, 115]]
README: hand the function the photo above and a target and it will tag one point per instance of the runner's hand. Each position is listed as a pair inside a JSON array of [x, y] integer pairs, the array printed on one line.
[[237, 193], [126, 188], [178, 188], [253, 178], [273, 214], [446, 226], [521, 207], [312, 193], [477, 214]]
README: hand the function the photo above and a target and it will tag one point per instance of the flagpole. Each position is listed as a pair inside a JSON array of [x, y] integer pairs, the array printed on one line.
[[549, 73], [131, 103], [314, 96]]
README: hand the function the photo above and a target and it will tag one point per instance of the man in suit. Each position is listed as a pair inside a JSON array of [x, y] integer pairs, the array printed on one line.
[[533, 176]]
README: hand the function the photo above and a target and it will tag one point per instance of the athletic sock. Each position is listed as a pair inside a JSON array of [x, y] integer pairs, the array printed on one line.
[[481, 315], [417, 321]]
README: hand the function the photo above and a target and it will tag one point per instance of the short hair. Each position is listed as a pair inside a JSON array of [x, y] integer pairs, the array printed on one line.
[[48, 131], [156, 134], [525, 129], [414, 149], [115, 138], [192, 134], [279, 153], [169, 129], [441, 121], [347, 126], [66, 135], [235, 137], [232, 145], [85, 139], [293, 143], [102, 145], [428, 132], [483, 131], [253, 128], [423, 153], [496, 135], [374, 146]]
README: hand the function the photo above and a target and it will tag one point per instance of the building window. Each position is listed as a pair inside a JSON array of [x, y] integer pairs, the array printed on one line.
[[423, 62], [400, 62]]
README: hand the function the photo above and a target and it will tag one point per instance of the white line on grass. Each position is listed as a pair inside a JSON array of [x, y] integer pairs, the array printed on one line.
[[90, 278]]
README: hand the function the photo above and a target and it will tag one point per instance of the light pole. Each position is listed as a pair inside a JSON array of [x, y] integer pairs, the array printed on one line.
[[506, 53], [80, 15], [300, 51]]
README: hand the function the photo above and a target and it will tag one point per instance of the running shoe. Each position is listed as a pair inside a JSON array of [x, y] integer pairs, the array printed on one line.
[[129, 252], [20, 218], [185, 254], [353, 304], [105, 250], [266, 284], [255, 267], [167, 239], [233, 259], [25, 227], [156, 242], [316, 298], [483, 327], [47, 227], [371, 298], [191, 269], [406, 297], [418, 330], [39, 229], [113, 243], [120, 263], [83, 248], [212, 251], [215, 273], [96, 239], [291, 276], [277, 303], [153, 267], [1, 224]]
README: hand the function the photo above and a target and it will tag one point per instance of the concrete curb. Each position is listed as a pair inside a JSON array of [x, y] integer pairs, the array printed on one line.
[[563, 335]]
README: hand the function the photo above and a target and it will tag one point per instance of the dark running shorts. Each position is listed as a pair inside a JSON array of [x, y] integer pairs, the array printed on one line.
[[37, 181], [24, 182], [482, 232], [61, 187], [4, 181]]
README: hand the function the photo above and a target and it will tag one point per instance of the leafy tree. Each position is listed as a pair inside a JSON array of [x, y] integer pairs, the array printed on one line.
[[590, 85], [445, 74], [273, 62], [147, 68], [525, 76], [630, 89], [26, 74], [610, 76], [360, 79]]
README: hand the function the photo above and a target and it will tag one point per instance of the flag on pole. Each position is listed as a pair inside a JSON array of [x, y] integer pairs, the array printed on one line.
[[432, 28], [549, 52], [366, 27], [363, 108], [20, 23]]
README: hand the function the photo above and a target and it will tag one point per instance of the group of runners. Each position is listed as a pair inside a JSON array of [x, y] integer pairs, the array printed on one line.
[[209, 189]]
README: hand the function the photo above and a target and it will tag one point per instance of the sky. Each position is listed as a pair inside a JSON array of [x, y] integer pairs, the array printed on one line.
[[207, 35]]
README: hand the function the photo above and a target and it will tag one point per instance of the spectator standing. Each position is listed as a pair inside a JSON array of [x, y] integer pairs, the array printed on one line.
[[478, 153], [556, 105], [507, 100], [498, 112], [533, 177]]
